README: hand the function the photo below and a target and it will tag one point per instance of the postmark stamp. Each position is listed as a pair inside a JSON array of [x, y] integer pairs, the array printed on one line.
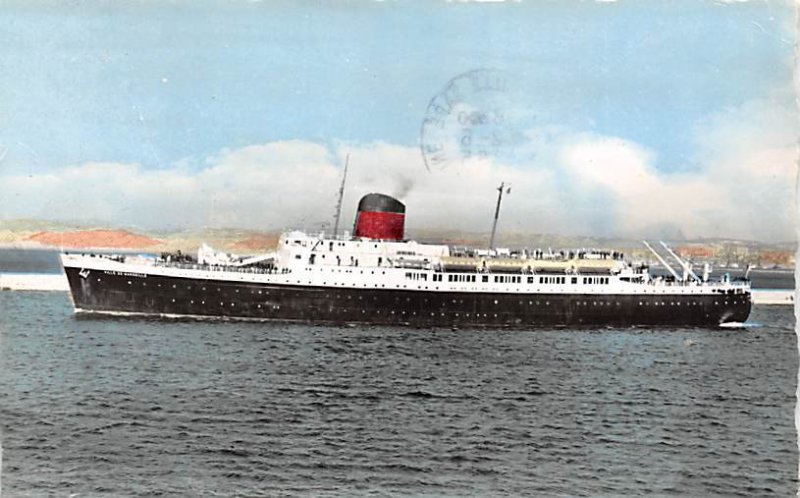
[[468, 118]]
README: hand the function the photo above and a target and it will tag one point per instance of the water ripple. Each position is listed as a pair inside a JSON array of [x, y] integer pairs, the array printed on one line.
[[184, 408]]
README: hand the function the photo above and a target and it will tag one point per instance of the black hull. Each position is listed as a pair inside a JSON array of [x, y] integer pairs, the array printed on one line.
[[101, 292]]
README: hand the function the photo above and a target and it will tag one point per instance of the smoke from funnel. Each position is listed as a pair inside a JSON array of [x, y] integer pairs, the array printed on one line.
[[403, 187]]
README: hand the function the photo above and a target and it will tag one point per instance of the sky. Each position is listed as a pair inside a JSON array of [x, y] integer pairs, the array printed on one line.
[[624, 119]]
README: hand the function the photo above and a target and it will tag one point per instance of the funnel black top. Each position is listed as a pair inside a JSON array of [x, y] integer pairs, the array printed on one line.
[[381, 203]]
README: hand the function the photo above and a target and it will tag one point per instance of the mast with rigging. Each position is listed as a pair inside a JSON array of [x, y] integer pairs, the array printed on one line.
[[341, 195]]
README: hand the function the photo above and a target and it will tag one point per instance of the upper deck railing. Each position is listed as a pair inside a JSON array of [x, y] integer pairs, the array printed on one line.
[[738, 284], [221, 268]]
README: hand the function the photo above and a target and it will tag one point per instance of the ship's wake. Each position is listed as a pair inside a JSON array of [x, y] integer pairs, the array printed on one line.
[[739, 325]]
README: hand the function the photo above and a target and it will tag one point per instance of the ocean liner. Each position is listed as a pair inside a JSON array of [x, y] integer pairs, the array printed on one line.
[[377, 276]]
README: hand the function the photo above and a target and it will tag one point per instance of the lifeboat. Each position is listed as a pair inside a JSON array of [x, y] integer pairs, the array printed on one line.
[[461, 264]]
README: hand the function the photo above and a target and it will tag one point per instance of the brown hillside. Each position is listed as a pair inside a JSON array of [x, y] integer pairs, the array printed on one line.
[[256, 242], [117, 239]]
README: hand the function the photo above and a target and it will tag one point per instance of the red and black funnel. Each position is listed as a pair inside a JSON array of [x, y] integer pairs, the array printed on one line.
[[380, 217]]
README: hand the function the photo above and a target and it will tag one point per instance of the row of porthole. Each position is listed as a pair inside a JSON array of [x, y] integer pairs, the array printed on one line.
[[547, 303], [343, 284], [671, 303], [221, 303], [454, 301], [414, 313], [462, 301], [324, 283], [364, 312], [678, 303], [601, 303], [189, 287]]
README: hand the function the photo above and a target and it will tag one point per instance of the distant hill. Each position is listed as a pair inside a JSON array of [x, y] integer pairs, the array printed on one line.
[[228, 239], [36, 233], [107, 239]]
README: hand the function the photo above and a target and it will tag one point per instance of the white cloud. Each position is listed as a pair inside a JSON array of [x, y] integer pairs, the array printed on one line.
[[751, 153], [643, 197], [577, 183]]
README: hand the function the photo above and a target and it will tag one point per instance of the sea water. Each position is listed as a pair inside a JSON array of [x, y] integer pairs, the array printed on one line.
[[121, 407]]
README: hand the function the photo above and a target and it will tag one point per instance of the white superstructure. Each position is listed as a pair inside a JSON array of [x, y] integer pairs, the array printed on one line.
[[318, 261]]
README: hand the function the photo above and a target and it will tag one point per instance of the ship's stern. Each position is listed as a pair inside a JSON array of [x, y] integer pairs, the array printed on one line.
[[737, 307]]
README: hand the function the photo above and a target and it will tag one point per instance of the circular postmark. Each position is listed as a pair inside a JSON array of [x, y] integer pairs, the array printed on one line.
[[468, 118]]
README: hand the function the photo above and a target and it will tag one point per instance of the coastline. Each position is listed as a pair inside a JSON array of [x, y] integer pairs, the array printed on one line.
[[56, 282]]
